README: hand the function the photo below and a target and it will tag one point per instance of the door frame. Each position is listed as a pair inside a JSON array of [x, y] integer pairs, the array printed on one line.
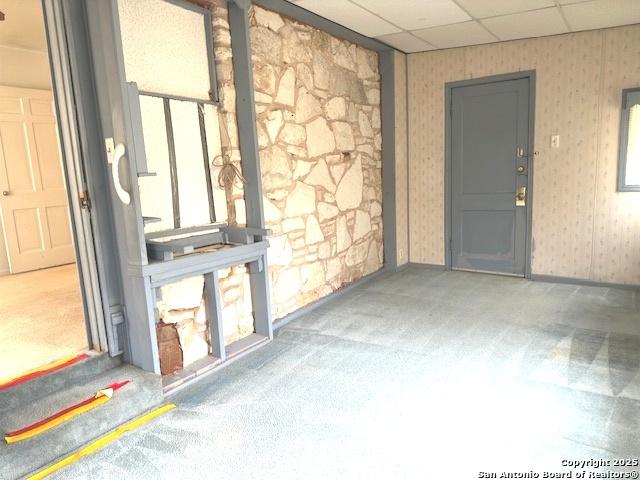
[[449, 86], [73, 150]]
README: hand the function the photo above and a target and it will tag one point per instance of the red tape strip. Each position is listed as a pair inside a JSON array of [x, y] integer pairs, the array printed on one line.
[[114, 386], [31, 376]]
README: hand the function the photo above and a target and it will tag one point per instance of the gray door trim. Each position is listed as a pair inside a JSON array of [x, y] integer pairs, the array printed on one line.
[[531, 76], [65, 99]]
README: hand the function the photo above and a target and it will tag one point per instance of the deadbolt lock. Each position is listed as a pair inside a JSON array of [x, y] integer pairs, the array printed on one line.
[[521, 196], [521, 169]]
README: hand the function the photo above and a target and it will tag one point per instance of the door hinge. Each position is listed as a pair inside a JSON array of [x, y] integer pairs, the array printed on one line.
[[85, 201]]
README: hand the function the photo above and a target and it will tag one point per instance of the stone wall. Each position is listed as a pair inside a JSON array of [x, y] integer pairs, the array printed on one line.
[[318, 105], [318, 109]]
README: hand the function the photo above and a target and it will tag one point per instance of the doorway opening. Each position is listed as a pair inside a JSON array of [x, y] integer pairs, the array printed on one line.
[[43, 316], [489, 174]]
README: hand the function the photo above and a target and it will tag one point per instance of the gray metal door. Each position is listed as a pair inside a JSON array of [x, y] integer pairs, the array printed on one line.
[[489, 166]]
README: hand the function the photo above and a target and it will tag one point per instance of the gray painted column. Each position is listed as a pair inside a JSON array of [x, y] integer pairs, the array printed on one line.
[[246, 110], [248, 133], [388, 113]]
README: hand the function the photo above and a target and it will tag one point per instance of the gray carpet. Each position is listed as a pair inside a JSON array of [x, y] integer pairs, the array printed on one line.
[[41, 318], [419, 374], [59, 390]]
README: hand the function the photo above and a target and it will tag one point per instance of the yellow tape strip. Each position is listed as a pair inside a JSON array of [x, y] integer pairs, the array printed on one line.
[[100, 399], [39, 369], [102, 441]]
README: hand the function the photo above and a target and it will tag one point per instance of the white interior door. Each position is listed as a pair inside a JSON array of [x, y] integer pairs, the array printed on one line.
[[33, 204]]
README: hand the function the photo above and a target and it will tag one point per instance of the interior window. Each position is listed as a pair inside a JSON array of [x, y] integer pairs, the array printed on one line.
[[182, 142], [629, 169]]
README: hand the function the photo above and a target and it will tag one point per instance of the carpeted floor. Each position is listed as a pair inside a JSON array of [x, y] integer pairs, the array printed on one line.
[[41, 318], [420, 374]]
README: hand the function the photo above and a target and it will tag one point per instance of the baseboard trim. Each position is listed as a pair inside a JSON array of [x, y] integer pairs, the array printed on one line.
[[278, 324], [583, 282], [540, 278], [401, 268], [429, 266]]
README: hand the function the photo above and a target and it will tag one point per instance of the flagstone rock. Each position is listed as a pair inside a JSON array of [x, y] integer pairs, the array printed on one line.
[[266, 45], [327, 211], [287, 88], [302, 200], [264, 78], [336, 108], [320, 139], [307, 106], [349, 192], [313, 233], [320, 176], [343, 134], [274, 123], [362, 225], [293, 134], [343, 238], [268, 19]]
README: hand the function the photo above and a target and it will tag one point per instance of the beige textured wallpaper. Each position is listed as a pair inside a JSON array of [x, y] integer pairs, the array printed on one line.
[[582, 227], [402, 199]]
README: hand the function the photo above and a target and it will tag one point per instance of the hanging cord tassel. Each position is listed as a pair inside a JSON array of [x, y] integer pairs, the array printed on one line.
[[229, 174]]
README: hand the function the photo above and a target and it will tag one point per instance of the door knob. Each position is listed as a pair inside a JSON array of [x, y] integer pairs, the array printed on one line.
[[5, 193], [521, 195]]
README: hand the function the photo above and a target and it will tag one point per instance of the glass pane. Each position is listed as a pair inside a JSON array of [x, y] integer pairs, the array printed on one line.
[[214, 147], [165, 48], [155, 192], [632, 176], [192, 183]]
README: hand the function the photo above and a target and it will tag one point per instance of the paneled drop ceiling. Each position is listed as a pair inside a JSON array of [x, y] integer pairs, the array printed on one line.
[[421, 25]]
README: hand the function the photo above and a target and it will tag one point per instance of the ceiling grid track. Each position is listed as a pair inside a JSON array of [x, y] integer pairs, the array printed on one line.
[[417, 26]]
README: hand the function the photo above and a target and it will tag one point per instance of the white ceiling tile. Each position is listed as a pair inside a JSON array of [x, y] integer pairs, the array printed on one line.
[[414, 14], [406, 42], [456, 35], [602, 14], [350, 15], [537, 23], [493, 8]]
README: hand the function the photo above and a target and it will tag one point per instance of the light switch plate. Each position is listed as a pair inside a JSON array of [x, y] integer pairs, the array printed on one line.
[[555, 141]]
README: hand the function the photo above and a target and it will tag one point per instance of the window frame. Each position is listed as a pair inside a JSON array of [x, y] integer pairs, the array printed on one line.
[[627, 95]]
